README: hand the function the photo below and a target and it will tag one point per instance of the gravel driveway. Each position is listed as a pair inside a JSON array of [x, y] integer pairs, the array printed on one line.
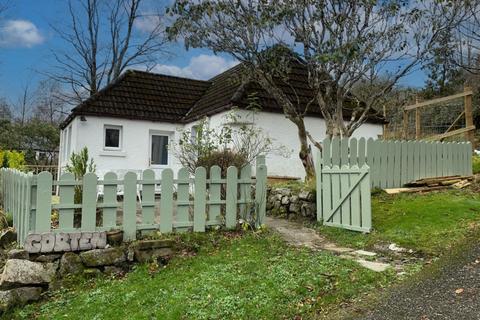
[[449, 291]]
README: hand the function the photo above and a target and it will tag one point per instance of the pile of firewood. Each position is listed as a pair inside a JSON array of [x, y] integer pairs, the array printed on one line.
[[436, 183]]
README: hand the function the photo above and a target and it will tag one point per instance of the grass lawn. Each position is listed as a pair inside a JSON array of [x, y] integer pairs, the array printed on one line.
[[252, 276], [430, 222]]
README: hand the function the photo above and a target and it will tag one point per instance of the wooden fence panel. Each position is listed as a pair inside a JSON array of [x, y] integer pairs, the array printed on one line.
[[199, 204], [66, 193], [89, 202], [245, 191], [261, 193], [130, 206], [183, 199], [148, 197], [166, 201], [394, 163], [43, 210], [215, 194], [344, 186], [232, 189], [110, 205]]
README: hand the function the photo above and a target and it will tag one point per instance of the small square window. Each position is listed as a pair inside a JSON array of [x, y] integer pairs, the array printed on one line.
[[113, 137]]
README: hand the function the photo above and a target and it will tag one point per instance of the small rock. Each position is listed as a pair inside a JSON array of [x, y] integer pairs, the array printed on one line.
[[103, 257], [308, 209], [365, 253], [48, 257], [7, 237], [294, 207], [18, 254], [18, 297], [304, 195], [112, 271], [92, 272], [395, 248], [374, 266], [70, 264], [19, 273], [285, 200], [294, 199]]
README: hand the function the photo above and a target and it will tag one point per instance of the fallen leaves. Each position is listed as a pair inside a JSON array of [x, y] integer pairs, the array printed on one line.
[[459, 291]]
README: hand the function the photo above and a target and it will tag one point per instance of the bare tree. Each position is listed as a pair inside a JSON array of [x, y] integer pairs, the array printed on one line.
[[103, 41], [48, 103], [24, 103], [248, 30], [347, 42]]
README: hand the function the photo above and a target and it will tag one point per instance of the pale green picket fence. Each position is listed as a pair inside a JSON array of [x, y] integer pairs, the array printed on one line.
[[394, 163], [29, 198]]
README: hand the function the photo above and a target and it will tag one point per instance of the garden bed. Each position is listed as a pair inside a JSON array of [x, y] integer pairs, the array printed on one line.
[[219, 276]]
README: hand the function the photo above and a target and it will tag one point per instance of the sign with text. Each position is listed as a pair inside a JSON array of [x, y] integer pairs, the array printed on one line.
[[64, 241]]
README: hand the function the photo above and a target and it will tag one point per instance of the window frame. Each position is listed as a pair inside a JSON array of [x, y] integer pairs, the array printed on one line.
[[120, 137], [169, 136]]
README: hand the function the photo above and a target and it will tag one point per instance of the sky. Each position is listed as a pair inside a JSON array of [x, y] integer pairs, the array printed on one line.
[[27, 43]]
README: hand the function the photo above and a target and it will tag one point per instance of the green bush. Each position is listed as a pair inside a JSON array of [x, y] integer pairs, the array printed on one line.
[[80, 164], [476, 164], [12, 159], [223, 159]]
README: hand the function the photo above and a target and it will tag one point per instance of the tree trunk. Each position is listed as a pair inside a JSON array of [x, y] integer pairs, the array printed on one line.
[[305, 153]]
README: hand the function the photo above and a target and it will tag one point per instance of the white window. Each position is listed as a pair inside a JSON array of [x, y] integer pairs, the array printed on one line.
[[159, 149], [194, 134], [112, 137]]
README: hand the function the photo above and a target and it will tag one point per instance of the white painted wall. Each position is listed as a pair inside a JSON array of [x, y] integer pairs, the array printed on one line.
[[284, 132], [135, 148], [135, 151]]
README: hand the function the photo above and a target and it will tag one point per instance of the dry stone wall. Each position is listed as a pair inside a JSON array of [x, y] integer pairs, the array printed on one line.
[[290, 203]]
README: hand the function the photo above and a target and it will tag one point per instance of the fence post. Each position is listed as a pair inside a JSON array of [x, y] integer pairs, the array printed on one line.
[[199, 202], [166, 201], [231, 198], [130, 206], [261, 194], [44, 202], [89, 202]]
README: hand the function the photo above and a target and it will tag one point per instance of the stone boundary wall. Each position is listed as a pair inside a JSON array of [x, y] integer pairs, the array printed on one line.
[[26, 276], [290, 203]]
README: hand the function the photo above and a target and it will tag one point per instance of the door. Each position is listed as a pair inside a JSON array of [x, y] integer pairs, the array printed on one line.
[[159, 153]]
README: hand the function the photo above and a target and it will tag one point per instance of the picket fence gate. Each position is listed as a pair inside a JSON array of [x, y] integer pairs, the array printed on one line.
[[394, 163], [28, 197], [344, 199]]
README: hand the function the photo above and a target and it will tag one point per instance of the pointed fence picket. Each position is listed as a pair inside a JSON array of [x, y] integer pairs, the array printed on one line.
[[215, 200], [394, 163]]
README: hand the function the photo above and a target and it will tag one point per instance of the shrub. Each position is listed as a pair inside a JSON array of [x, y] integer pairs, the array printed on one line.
[[476, 164], [79, 165], [223, 159], [12, 159]]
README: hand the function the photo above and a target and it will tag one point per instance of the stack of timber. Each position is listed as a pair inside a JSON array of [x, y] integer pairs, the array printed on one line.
[[435, 183]]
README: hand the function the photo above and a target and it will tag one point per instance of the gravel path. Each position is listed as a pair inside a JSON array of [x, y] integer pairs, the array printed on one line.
[[452, 291]]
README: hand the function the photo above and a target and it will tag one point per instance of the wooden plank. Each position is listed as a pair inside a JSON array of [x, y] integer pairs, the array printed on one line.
[[353, 152], [383, 159], [326, 194], [215, 193], [344, 156], [66, 193], [438, 100], [337, 195], [148, 197], [469, 115], [336, 151], [469, 158], [110, 197], [356, 219], [416, 161], [89, 202], [245, 192], [390, 156], [344, 187], [318, 183], [403, 162], [199, 206], [327, 152], [453, 133], [43, 203], [183, 196], [166, 201], [361, 151], [261, 194], [397, 172], [130, 206], [231, 198], [372, 159], [365, 196]]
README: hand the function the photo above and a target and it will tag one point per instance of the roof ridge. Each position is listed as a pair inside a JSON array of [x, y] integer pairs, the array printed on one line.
[[164, 75]]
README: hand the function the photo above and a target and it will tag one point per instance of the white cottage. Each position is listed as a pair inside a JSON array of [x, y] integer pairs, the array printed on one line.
[[129, 124]]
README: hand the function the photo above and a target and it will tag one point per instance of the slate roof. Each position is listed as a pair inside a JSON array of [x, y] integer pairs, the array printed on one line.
[[142, 95]]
